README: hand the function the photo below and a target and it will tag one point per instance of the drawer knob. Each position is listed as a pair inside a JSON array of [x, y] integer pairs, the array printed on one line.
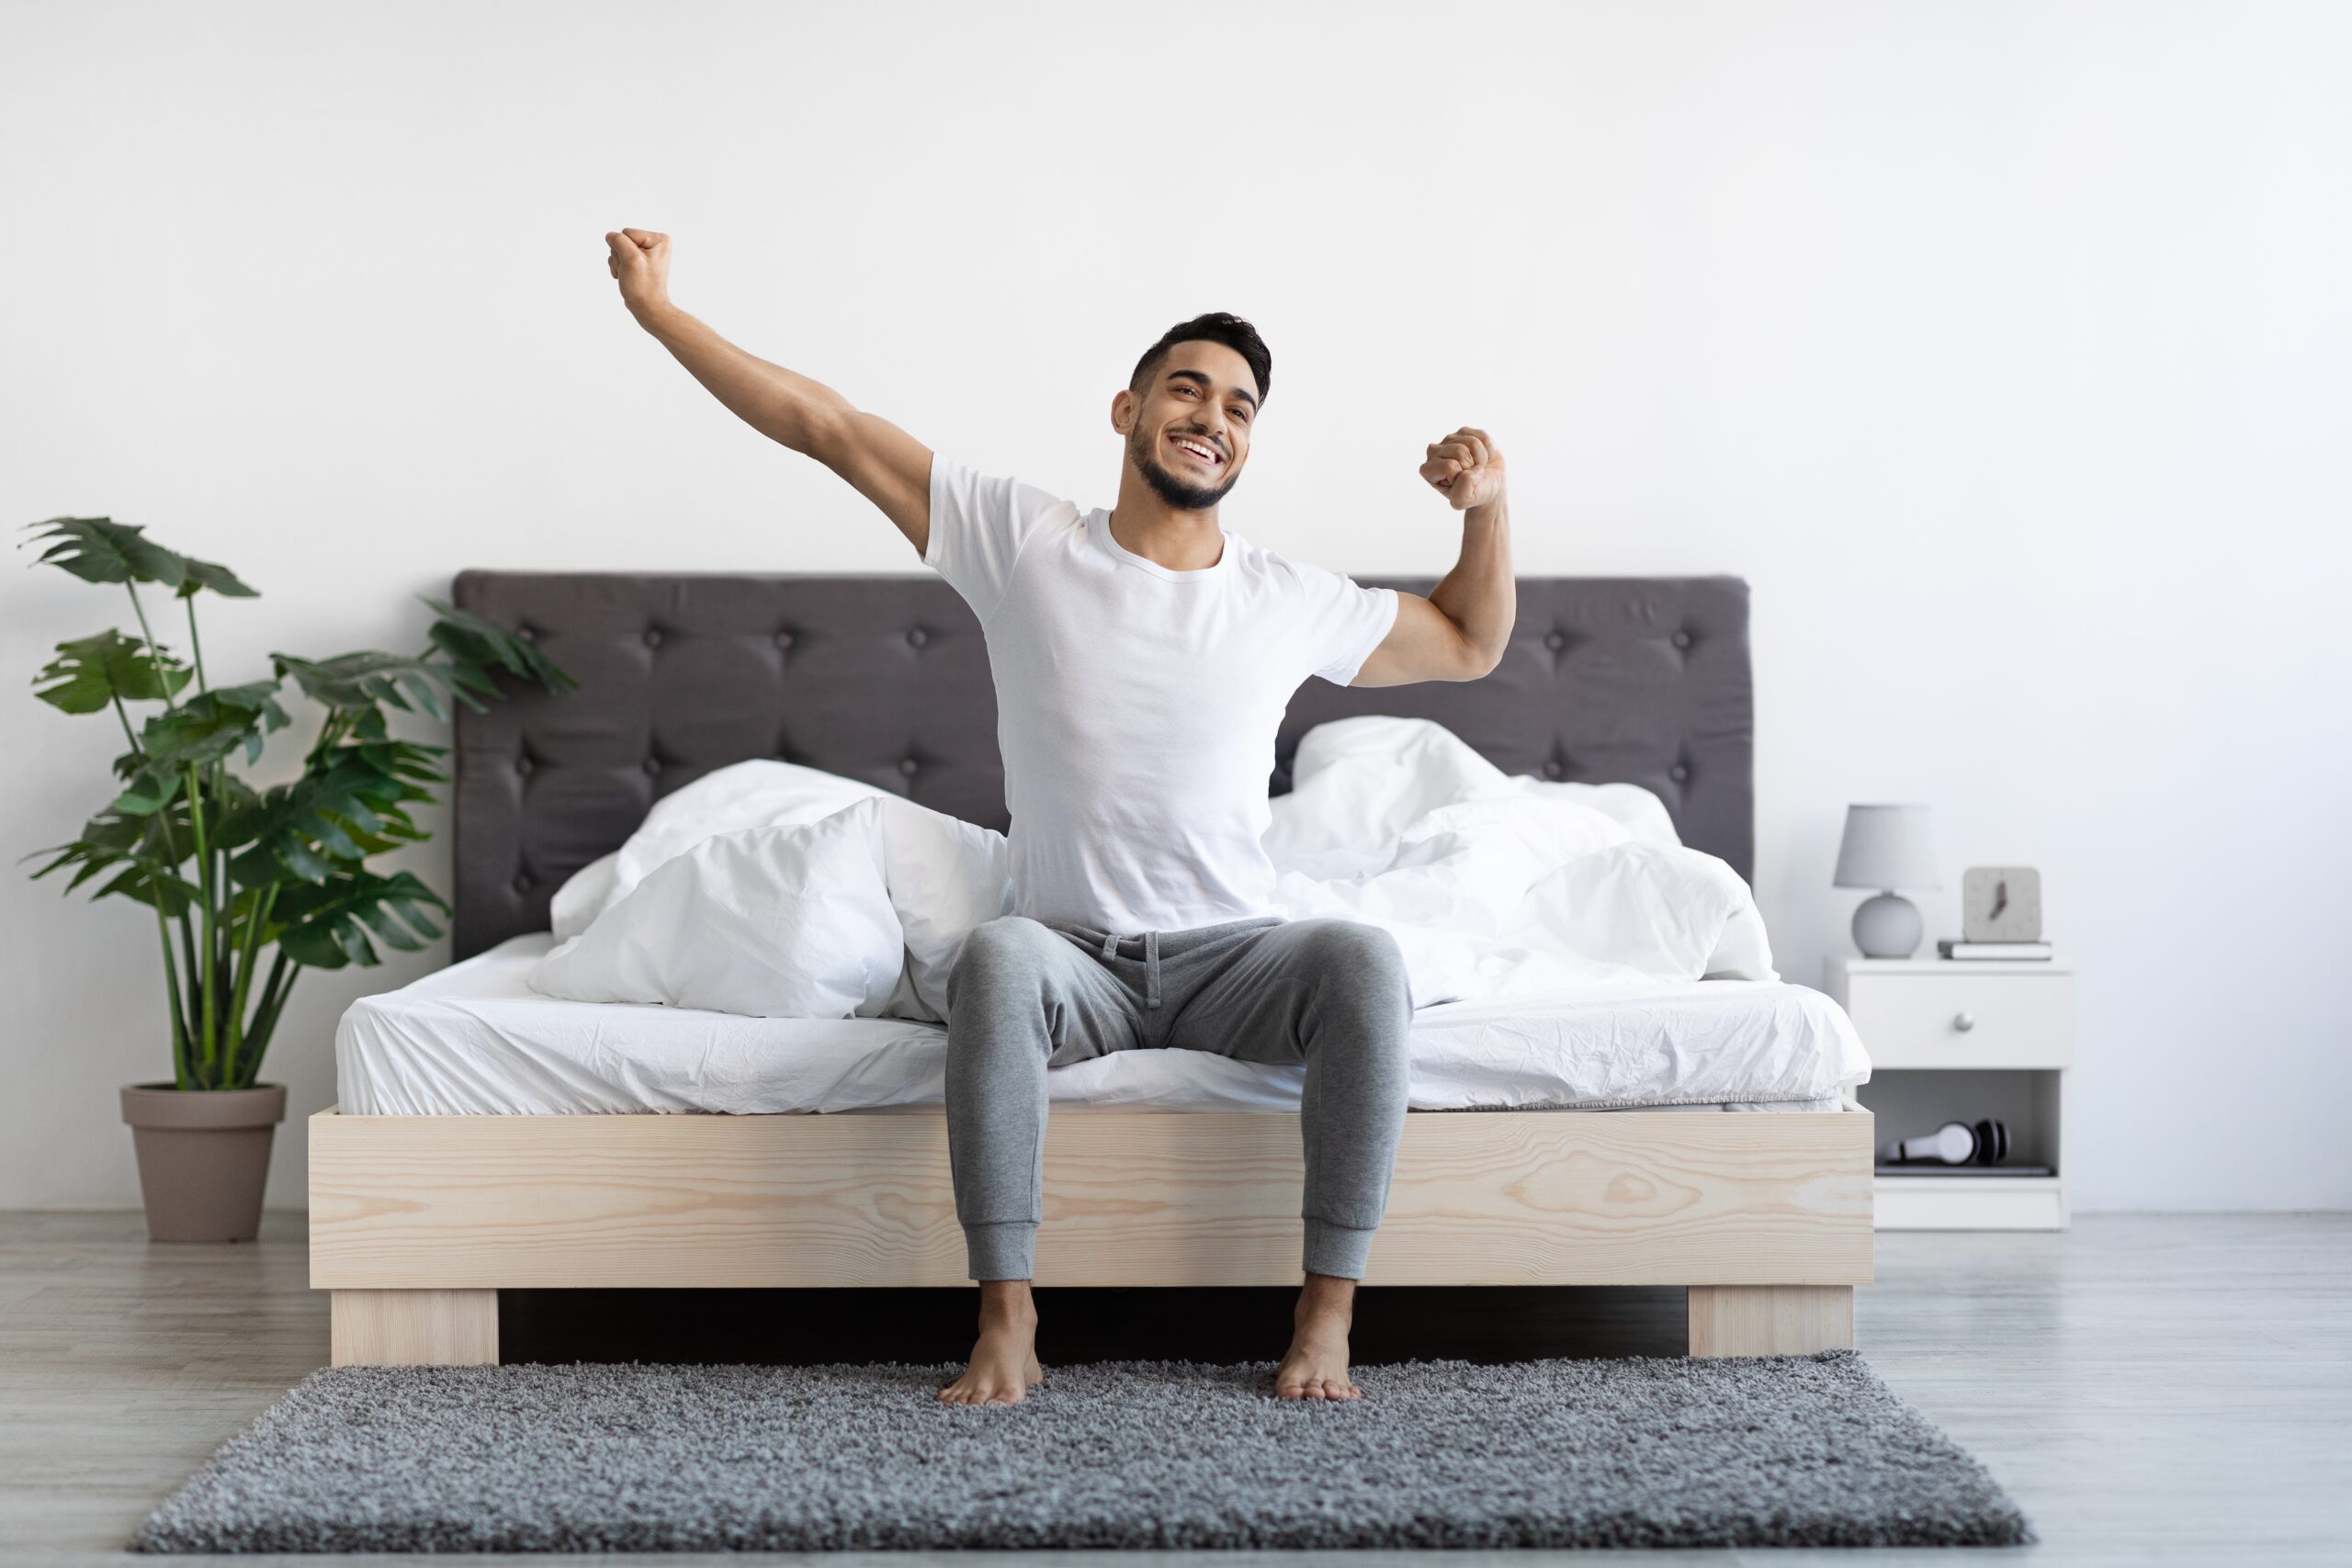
[[1964, 1021]]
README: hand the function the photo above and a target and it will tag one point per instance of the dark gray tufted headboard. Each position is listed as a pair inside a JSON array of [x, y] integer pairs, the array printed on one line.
[[886, 679]]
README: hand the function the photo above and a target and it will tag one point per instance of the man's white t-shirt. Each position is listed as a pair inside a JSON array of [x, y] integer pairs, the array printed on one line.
[[1136, 706]]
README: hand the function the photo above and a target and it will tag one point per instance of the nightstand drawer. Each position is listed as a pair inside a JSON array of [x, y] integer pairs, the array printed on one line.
[[1964, 1021]]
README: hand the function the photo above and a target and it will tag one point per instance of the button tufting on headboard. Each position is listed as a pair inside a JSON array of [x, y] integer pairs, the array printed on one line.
[[1633, 704]]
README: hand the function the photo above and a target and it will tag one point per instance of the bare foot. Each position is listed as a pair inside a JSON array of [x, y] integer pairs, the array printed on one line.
[[1004, 1362], [1316, 1366]]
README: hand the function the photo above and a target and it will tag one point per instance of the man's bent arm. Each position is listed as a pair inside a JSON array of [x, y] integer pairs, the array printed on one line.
[[1480, 595], [1460, 631]]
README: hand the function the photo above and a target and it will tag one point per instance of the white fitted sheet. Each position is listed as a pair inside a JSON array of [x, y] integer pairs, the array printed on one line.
[[474, 1039]]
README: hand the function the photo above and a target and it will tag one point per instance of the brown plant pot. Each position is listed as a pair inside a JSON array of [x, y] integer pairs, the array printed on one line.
[[203, 1157]]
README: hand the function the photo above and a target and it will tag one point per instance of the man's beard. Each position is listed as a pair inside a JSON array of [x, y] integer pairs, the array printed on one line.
[[1172, 488]]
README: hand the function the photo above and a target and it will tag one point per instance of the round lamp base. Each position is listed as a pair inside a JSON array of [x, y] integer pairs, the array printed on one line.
[[1887, 926]]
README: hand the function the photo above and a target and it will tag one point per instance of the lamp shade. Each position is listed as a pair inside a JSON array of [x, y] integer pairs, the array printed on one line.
[[1887, 847]]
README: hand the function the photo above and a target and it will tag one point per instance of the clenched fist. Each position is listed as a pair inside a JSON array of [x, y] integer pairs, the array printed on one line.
[[1467, 467], [641, 259]]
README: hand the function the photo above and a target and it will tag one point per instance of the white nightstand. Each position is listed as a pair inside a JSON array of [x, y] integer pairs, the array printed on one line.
[[1954, 1041]]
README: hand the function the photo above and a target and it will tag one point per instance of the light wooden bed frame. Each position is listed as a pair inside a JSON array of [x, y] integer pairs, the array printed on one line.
[[418, 1221]]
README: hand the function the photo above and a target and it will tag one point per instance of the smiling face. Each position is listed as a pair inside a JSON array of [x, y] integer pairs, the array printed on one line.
[[1188, 432]]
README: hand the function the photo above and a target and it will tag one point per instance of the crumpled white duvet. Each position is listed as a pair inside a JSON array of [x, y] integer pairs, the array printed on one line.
[[775, 890]]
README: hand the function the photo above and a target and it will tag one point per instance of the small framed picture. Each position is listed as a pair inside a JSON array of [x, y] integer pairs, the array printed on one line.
[[2000, 903]]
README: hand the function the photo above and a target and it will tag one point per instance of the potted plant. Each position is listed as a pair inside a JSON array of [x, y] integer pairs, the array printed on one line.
[[248, 886]]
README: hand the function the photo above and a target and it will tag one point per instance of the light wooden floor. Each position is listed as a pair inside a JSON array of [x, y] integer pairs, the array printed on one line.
[[2151, 1388]]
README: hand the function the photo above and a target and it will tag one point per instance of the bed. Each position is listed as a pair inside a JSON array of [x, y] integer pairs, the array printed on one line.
[[486, 1140]]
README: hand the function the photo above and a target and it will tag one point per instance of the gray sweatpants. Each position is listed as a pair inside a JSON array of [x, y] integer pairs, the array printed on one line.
[[1027, 995]]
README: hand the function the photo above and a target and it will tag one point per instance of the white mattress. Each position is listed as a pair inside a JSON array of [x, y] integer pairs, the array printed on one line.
[[474, 1039]]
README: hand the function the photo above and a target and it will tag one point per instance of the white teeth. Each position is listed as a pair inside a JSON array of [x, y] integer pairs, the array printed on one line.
[[1194, 447]]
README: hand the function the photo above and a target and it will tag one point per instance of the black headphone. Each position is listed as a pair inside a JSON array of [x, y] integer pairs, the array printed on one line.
[[1956, 1143]]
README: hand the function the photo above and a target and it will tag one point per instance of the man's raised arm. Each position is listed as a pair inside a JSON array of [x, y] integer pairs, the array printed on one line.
[[883, 463], [1462, 630]]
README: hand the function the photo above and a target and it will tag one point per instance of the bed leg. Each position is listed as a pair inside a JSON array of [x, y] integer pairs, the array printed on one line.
[[1771, 1320], [415, 1329]]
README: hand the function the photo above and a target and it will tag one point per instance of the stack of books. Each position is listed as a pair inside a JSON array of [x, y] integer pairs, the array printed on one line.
[[1953, 947]]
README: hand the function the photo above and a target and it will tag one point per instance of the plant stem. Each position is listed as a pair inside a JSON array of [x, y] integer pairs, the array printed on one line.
[[179, 1020], [329, 732], [217, 862], [274, 992], [293, 973], [163, 922], [219, 873], [196, 822], [255, 920], [124, 713], [164, 825], [195, 646], [187, 947], [210, 1021], [162, 681]]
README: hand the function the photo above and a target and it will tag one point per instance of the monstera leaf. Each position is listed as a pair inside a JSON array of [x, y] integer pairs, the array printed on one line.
[[370, 680], [481, 645], [327, 925], [91, 674], [346, 807], [210, 726], [99, 550], [202, 730], [203, 574], [142, 847]]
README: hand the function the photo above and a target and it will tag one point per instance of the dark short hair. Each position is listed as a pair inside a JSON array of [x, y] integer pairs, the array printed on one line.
[[1217, 327]]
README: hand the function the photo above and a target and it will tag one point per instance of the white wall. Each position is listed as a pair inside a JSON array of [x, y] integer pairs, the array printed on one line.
[[2004, 348]]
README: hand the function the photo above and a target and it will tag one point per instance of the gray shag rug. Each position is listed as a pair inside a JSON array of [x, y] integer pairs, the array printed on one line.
[[1792, 1450]]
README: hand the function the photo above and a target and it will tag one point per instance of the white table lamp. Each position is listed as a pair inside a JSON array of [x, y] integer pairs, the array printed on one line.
[[1887, 847]]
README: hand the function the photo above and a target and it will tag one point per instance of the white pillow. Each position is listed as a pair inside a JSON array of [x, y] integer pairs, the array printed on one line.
[[1359, 785], [758, 794], [774, 922], [1464, 868], [583, 897], [1660, 909], [1638, 808], [1356, 786], [1547, 829]]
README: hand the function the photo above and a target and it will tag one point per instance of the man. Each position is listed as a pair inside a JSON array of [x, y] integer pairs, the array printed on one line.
[[1143, 659]]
